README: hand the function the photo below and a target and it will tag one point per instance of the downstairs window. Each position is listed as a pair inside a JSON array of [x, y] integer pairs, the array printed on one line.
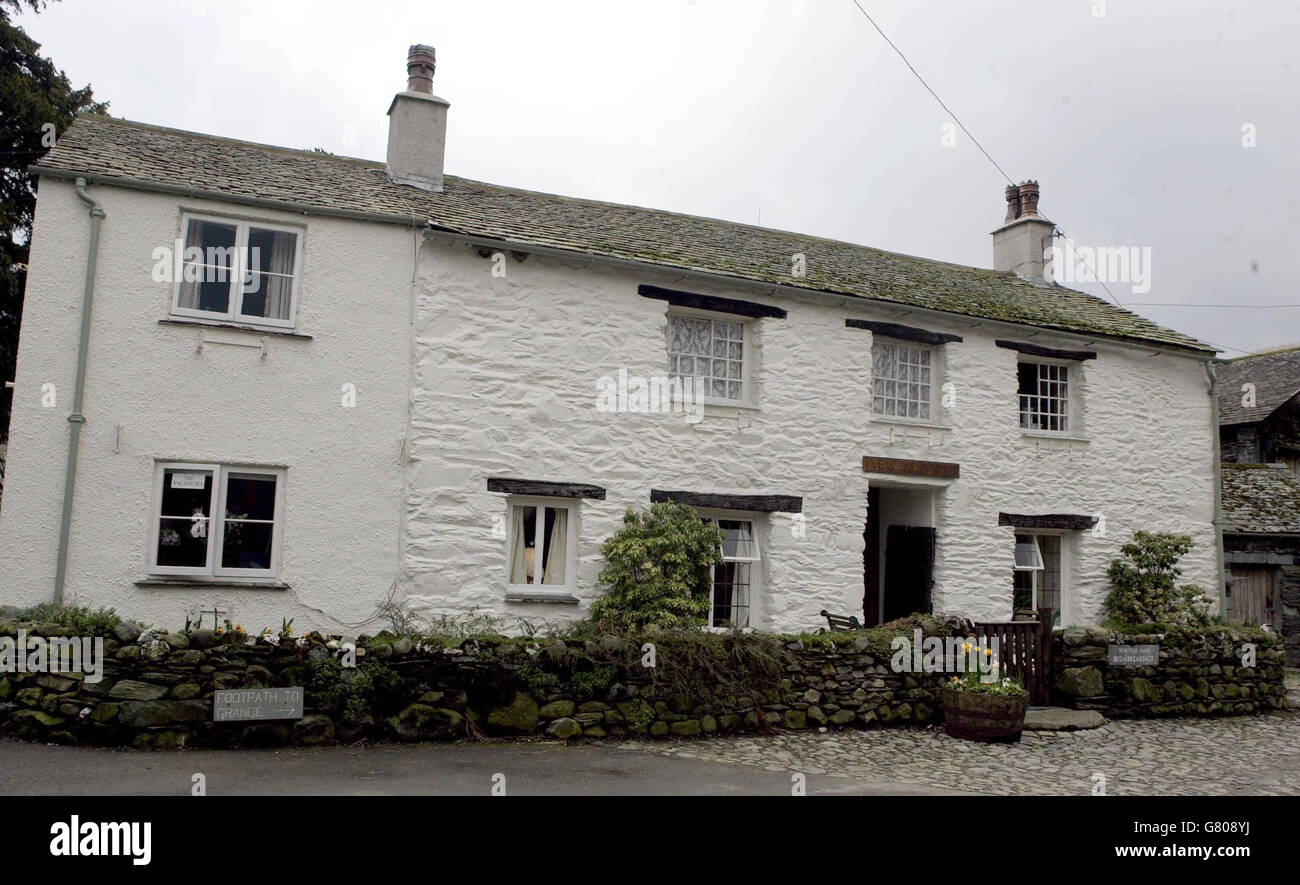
[[1037, 575], [541, 543], [213, 520], [735, 578]]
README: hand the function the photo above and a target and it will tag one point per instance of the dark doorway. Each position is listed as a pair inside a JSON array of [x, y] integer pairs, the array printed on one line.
[[909, 570], [871, 561]]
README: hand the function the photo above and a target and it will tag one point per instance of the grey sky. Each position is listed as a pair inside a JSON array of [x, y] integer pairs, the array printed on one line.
[[1131, 121]]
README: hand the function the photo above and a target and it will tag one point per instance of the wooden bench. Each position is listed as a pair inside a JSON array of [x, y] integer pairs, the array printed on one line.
[[841, 622]]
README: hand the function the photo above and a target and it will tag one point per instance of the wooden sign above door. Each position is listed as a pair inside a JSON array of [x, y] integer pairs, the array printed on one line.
[[903, 467]]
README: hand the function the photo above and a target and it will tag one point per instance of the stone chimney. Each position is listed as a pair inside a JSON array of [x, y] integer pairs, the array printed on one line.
[[417, 126], [1022, 243]]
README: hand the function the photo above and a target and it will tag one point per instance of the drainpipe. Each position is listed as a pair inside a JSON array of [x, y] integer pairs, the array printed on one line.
[[1212, 374], [76, 419]]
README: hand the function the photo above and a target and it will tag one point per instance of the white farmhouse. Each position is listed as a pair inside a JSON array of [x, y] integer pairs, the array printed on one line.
[[277, 383]]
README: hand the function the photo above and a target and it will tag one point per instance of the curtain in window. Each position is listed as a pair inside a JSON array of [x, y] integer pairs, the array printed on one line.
[[555, 551], [518, 574], [280, 286]]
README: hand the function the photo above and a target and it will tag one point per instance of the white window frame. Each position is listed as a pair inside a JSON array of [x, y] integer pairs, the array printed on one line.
[[235, 303], [1038, 570], [1072, 424], [217, 522], [755, 565], [935, 382], [539, 589], [746, 359]]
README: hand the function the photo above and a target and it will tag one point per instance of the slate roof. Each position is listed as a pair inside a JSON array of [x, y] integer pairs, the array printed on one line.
[[1262, 498], [106, 149], [1276, 376]]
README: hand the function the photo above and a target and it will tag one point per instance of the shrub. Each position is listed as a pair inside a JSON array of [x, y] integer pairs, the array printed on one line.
[[658, 570], [1145, 584], [81, 619]]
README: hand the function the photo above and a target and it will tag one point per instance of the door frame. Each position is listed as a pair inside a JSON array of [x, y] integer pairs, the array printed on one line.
[[884, 482]]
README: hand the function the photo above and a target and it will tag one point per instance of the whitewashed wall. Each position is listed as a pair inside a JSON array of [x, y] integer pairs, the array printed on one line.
[[507, 384], [225, 404]]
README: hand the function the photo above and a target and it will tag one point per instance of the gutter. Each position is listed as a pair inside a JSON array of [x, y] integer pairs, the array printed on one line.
[[1212, 375], [76, 419]]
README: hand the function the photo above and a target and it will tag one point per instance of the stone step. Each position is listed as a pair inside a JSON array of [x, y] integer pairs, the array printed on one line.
[[1062, 719]]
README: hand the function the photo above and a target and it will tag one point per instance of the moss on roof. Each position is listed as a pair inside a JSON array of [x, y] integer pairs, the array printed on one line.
[[1275, 375], [1262, 498], [109, 149]]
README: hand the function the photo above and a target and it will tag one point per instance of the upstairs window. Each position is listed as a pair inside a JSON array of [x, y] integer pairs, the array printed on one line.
[[239, 271], [714, 350], [1044, 397], [901, 378]]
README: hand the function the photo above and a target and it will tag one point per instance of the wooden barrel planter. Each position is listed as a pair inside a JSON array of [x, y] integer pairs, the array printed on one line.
[[974, 716]]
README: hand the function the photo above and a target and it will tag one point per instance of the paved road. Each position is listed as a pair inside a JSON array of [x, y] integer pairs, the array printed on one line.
[[427, 769]]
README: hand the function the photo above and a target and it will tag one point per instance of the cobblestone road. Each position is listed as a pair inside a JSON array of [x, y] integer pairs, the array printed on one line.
[[1229, 756]]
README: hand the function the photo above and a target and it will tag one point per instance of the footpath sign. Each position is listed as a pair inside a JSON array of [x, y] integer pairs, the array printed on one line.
[[252, 704]]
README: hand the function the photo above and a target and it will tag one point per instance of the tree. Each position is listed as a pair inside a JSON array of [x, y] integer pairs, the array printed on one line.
[[658, 570], [37, 103], [1144, 584]]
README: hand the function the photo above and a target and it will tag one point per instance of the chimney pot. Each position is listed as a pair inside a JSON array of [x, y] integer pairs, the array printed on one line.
[[1028, 198], [420, 64], [1022, 244], [1013, 202]]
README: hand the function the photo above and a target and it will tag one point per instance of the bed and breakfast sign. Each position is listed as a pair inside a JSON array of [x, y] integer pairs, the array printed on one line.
[[1133, 655]]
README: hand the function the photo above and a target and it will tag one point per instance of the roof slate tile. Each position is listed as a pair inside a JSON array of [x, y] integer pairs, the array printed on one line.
[[106, 148]]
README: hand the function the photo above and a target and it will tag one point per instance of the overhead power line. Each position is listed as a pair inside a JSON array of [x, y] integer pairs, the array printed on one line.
[[921, 79]]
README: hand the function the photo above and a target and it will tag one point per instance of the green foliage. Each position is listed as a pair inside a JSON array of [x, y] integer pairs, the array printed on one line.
[[1004, 686], [558, 667], [451, 630], [37, 102], [79, 618], [657, 570], [1144, 584], [370, 688], [708, 666]]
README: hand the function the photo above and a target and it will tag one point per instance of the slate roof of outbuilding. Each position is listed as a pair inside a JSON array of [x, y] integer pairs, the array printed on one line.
[[1276, 376], [1263, 498], [109, 150]]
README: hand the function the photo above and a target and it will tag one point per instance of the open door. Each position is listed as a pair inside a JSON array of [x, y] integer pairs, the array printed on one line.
[[909, 570]]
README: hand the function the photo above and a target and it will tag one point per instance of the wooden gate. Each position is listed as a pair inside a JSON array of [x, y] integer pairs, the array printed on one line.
[[1025, 650]]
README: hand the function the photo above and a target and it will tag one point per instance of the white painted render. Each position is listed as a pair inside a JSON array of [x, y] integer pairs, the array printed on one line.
[[507, 374], [508, 378], [223, 404]]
